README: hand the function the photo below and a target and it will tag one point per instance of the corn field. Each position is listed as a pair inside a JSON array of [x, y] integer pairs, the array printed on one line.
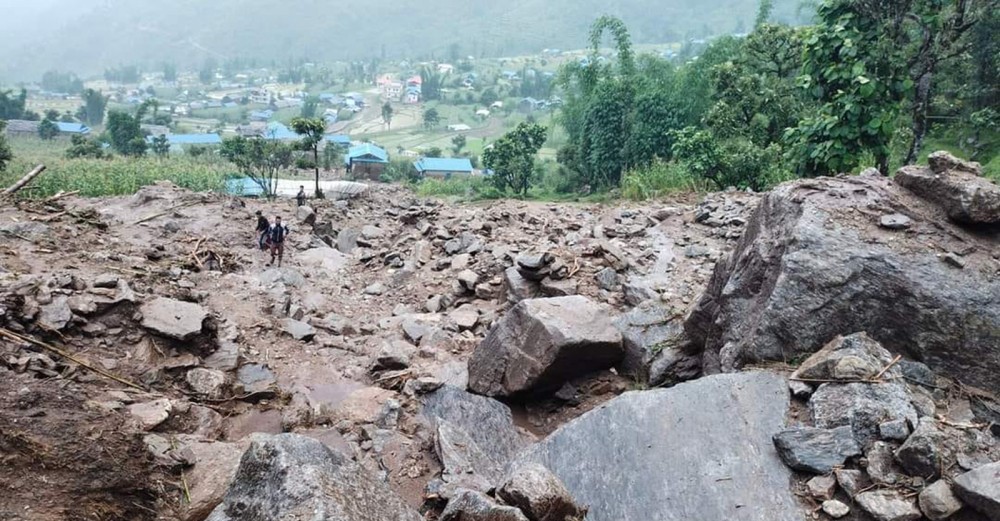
[[108, 177]]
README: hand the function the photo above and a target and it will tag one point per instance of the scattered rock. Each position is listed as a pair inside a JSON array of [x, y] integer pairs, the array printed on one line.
[[518, 288], [469, 505], [298, 330], [465, 317], [255, 379], [306, 215], [809, 449], [953, 260], [375, 289], [938, 502], [393, 356], [895, 221], [655, 348], [690, 474], [897, 430], [213, 471], [540, 344], [206, 382], [173, 318], [854, 357], [888, 505], [288, 476], [921, 454], [980, 488], [861, 406], [835, 509], [55, 315], [540, 495], [558, 288], [852, 481], [468, 280], [607, 279], [106, 280], [822, 487], [965, 196], [151, 414]]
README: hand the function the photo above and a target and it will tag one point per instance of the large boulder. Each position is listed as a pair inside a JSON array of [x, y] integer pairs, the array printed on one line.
[[173, 318], [819, 451], [542, 343], [475, 436], [655, 350], [469, 505], [814, 263], [540, 495], [699, 450], [288, 476], [956, 186]]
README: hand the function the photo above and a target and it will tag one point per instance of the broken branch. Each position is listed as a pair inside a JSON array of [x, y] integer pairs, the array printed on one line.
[[165, 212], [24, 180]]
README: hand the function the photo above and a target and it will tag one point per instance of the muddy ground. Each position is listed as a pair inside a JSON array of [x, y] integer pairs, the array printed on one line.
[[74, 273]]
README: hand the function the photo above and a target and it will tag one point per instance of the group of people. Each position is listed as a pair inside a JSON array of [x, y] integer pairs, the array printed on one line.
[[271, 236]]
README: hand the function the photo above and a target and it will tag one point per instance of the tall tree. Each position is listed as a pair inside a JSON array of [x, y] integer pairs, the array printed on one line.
[[259, 159], [124, 131], [387, 114], [11, 106], [431, 118], [312, 132], [512, 157], [161, 146], [47, 129], [458, 143], [94, 103]]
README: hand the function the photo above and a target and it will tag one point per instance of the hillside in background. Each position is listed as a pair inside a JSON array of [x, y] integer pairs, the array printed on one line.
[[88, 35]]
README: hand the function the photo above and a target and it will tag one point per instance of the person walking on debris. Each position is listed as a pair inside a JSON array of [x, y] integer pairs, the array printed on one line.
[[262, 227], [301, 196], [276, 236]]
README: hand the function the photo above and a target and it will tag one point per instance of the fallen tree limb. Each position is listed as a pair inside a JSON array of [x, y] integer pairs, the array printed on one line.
[[165, 212], [24, 180], [60, 194], [10, 335]]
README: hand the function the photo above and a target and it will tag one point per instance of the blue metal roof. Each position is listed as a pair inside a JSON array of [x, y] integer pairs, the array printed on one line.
[[73, 128], [443, 164], [361, 153], [279, 132], [340, 139], [193, 139]]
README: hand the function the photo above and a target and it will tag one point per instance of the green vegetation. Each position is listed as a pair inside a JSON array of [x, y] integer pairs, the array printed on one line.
[[259, 159], [5, 152], [512, 158], [312, 131], [106, 177]]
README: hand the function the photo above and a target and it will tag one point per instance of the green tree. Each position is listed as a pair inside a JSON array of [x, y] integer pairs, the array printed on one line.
[[5, 153], [11, 106], [161, 146], [431, 118], [387, 114], [457, 144], [312, 132], [259, 159], [94, 104], [81, 146], [512, 157], [855, 67], [124, 131], [47, 129], [434, 152]]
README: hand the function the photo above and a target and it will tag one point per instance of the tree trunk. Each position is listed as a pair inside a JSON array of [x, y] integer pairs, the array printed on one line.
[[316, 165], [918, 112]]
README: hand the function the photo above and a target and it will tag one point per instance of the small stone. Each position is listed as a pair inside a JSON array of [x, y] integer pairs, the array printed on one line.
[[306, 215], [393, 356], [372, 232], [298, 330], [938, 502], [953, 260], [558, 288], [106, 280], [881, 465], [888, 505], [835, 509], [151, 414], [895, 221], [465, 317], [894, 430], [375, 289], [822, 487], [921, 454], [206, 382], [852, 481], [607, 279], [468, 280], [980, 488], [433, 304], [173, 318]]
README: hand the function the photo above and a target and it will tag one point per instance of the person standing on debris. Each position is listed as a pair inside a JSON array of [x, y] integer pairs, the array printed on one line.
[[262, 228], [301, 196], [276, 235]]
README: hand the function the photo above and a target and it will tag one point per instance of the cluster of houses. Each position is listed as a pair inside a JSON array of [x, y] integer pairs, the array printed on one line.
[[25, 128], [408, 91]]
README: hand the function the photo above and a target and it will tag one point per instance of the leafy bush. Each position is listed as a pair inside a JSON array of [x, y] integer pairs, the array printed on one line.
[[305, 163], [471, 188], [658, 179]]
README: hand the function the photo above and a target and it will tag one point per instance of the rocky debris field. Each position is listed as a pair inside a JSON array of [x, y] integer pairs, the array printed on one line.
[[827, 350]]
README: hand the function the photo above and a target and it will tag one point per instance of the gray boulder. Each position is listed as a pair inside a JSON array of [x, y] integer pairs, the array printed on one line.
[[173, 318], [469, 505], [293, 477], [956, 186], [298, 330], [809, 449], [698, 450], [655, 349], [806, 270], [474, 434], [862, 407], [306, 215], [55, 315], [542, 343], [980, 488], [923, 452], [540, 495], [938, 502], [518, 288], [854, 357]]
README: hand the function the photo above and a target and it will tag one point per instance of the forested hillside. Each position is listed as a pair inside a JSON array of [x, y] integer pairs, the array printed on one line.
[[109, 32]]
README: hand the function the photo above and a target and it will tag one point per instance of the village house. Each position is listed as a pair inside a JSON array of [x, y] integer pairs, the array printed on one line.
[[443, 167], [366, 161]]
